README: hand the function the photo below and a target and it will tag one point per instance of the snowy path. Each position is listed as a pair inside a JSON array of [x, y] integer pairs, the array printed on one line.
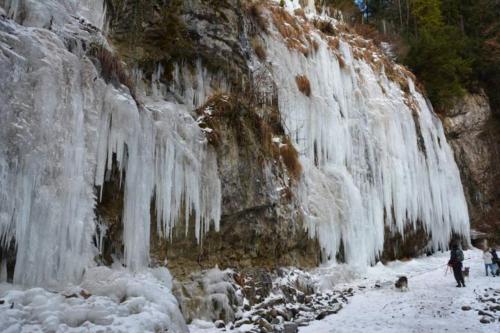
[[433, 303]]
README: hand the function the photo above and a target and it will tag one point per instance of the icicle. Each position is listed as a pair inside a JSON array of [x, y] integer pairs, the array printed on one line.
[[164, 153], [195, 86], [94, 11], [101, 232], [3, 270]]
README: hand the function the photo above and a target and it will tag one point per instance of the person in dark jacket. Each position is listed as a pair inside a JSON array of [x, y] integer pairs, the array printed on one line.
[[455, 262], [494, 254], [496, 261]]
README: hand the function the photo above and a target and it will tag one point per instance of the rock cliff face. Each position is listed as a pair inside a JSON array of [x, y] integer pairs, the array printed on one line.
[[194, 134], [473, 132], [229, 42], [202, 133], [261, 224]]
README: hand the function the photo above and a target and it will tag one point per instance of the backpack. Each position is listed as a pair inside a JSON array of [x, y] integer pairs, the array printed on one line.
[[494, 254], [457, 256]]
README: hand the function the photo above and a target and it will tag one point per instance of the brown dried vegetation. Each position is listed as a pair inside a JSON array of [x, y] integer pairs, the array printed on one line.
[[303, 84], [369, 51], [297, 36], [364, 40], [290, 158], [112, 68], [325, 26], [256, 11], [260, 52], [248, 126], [259, 49], [333, 45], [371, 33], [300, 12], [341, 60]]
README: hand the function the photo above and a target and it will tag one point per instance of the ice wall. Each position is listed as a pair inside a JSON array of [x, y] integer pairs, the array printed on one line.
[[46, 198], [61, 125], [369, 160], [54, 14]]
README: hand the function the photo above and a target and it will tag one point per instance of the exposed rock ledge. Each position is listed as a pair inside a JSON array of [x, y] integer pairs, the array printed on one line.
[[472, 131]]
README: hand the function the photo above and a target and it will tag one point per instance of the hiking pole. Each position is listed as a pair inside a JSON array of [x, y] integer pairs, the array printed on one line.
[[447, 268]]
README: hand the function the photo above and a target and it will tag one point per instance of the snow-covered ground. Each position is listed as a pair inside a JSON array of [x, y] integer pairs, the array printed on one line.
[[107, 300], [432, 304], [114, 300]]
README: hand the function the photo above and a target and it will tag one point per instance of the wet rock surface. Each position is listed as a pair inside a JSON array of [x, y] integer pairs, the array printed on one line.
[[258, 300]]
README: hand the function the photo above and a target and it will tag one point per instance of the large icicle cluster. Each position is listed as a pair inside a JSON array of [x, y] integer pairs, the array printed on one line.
[[164, 153], [370, 159], [60, 127]]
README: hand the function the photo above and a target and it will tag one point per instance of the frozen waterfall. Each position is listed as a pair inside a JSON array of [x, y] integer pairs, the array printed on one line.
[[165, 156], [373, 156], [60, 127]]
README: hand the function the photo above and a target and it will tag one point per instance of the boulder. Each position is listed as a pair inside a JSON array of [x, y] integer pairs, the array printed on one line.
[[290, 327]]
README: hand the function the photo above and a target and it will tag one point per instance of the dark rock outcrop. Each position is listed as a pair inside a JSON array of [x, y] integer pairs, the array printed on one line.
[[257, 297], [473, 132], [260, 226]]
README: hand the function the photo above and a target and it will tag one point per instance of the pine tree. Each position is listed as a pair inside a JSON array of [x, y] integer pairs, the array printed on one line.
[[436, 54]]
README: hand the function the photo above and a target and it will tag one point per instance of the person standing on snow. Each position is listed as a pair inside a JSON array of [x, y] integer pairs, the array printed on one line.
[[496, 261], [455, 262], [488, 262]]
